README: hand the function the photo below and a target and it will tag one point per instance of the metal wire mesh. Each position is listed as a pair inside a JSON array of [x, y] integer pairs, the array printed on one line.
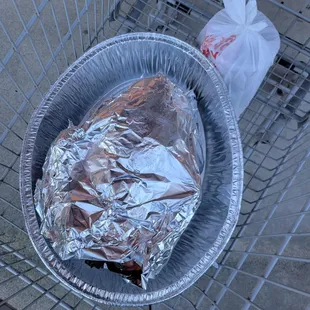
[[266, 263]]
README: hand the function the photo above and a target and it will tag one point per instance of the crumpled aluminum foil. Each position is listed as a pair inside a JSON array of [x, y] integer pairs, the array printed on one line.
[[124, 184]]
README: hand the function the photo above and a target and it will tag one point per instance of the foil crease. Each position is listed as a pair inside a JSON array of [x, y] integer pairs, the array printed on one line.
[[123, 185]]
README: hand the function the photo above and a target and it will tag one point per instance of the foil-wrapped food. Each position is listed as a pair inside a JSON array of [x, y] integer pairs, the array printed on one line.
[[121, 187]]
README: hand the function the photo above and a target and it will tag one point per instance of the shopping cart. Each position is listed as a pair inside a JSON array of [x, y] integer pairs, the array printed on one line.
[[266, 264]]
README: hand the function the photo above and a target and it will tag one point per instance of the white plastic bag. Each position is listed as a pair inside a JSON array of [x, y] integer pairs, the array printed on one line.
[[242, 43]]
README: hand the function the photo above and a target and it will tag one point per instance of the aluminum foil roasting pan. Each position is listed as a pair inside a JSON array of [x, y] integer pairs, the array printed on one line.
[[103, 71]]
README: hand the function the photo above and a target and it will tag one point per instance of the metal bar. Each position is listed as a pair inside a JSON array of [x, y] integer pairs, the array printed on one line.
[[13, 263], [289, 10], [79, 24], [276, 183], [87, 3], [60, 301], [269, 195], [51, 297], [276, 217], [267, 206], [15, 84], [260, 165], [49, 64], [79, 302], [289, 288], [16, 274], [17, 112], [8, 169], [273, 235], [21, 37], [277, 256], [7, 130], [229, 290], [59, 35], [239, 233], [138, 10], [14, 225], [10, 252], [10, 150], [44, 33], [295, 45], [4, 301], [254, 240], [270, 205], [70, 30], [248, 129], [11, 205], [31, 40], [95, 19], [17, 254], [102, 16], [37, 286]]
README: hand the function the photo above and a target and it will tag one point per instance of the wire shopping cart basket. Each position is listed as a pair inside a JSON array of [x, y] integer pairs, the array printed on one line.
[[267, 261]]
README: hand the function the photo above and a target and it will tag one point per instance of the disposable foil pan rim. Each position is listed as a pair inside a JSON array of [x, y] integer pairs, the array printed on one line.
[[55, 265]]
